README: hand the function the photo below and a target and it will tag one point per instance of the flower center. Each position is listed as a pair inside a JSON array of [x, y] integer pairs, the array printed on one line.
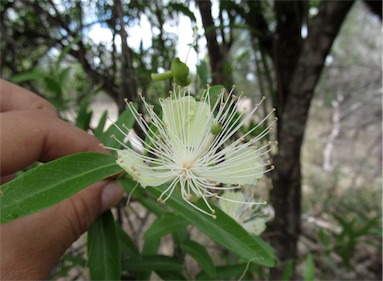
[[186, 170], [187, 165]]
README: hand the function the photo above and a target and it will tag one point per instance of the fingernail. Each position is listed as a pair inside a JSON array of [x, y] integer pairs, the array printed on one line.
[[111, 195]]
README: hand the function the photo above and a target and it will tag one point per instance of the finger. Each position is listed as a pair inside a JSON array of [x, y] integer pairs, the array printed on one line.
[[36, 242], [13, 97], [27, 136]]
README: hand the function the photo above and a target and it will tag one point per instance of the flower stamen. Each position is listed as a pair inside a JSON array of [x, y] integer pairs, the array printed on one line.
[[191, 146]]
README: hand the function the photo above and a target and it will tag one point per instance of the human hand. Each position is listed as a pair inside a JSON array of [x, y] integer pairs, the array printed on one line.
[[31, 131]]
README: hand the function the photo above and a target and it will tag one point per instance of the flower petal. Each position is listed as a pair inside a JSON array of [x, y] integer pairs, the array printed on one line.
[[256, 226], [228, 207], [187, 120], [241, 166], [133, 163]]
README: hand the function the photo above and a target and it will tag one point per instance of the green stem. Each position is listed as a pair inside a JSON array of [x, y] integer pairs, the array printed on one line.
[[161, 76]]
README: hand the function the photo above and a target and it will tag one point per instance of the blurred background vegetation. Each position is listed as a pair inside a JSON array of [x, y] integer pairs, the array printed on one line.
[[318, 62]]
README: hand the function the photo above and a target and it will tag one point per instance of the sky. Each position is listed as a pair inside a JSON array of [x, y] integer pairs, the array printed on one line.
[[143, 32]]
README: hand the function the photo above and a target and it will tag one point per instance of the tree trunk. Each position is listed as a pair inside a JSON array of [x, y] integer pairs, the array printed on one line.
[[215, 55], [127, 88], [296, 99]]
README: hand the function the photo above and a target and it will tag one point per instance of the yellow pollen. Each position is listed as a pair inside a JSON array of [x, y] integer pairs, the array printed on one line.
[[186, 165]]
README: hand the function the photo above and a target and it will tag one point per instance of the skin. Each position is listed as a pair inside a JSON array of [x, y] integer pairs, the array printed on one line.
[[31, 131]]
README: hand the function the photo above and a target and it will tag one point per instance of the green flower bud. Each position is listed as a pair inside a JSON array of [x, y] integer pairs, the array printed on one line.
[[216, 128], [182, 83], [179, 70]]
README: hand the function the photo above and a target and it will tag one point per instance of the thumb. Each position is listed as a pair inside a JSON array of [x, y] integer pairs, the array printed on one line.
[[33, 245], [82, 209]]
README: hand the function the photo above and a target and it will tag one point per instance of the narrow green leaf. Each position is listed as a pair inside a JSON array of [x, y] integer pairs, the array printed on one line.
[[67, 263], [63, 75], [310, 269], [98, 132], [127, 246], [150, 248], [103, 249], [214, 93], [367, 227], [228, 272], [153, 262], [150, 204], [52, 85], [166, 224], [224, 230], [171, 275], [203, 72], [125, 118], [215, 90], [324, 238], [201, 256], [48, 184], [84, 116], [288, 271], [26, 76]]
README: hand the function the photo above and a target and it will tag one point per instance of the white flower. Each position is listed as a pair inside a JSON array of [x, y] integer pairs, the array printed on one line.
[[190, 147], [252, 219]]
